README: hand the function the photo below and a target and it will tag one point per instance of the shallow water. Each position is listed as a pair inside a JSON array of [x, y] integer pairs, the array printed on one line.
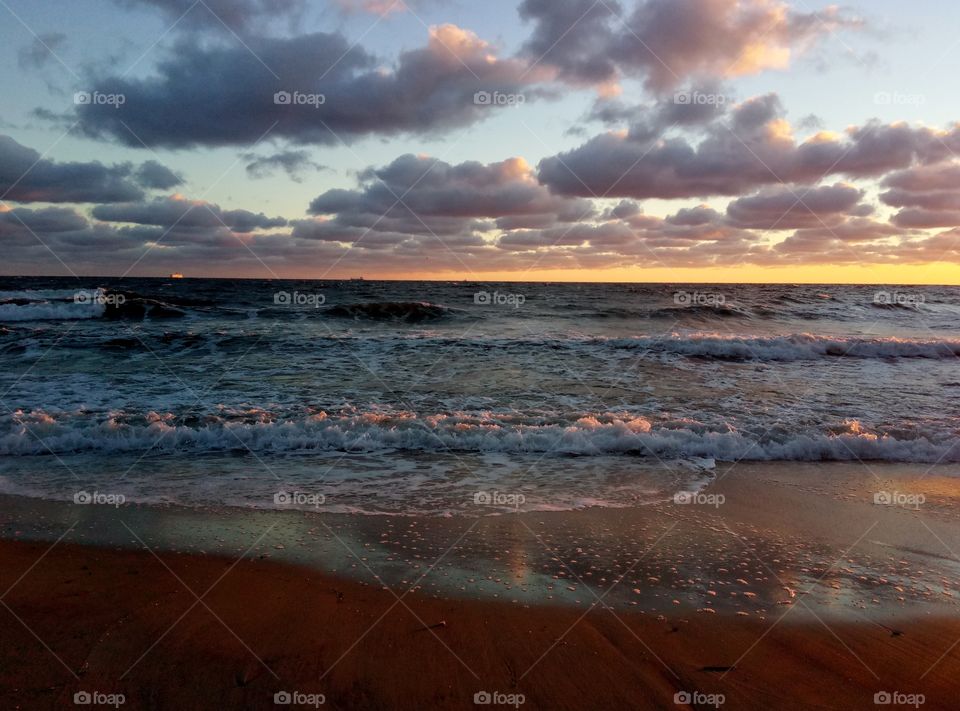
[[404, 397]]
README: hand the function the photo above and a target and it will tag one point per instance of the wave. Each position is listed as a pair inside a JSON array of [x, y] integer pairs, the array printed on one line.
[[803, 346], [63, 305], [138, 308], [700, 311], [60, 305], [483, 432], [409, 311], [27, 295], [697, 345], [50, 311], [894, 306]]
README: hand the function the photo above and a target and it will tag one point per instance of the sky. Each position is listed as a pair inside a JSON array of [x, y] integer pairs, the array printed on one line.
[[583, 140]]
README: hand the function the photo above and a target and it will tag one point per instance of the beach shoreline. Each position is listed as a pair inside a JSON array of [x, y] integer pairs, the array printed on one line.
[[186, 631], [793, 589]]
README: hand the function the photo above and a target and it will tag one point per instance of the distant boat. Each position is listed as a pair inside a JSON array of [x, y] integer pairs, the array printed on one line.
[[176, 275], [356, 278]]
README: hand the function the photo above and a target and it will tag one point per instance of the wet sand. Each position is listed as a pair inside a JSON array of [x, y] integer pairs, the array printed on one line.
[[266, 628], [797, 591]]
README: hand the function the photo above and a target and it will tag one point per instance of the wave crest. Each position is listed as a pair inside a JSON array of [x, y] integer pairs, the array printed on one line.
[[39, 433], [804, 346], [409, 311]]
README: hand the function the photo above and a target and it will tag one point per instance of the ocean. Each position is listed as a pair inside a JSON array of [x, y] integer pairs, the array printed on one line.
[[459, 398]]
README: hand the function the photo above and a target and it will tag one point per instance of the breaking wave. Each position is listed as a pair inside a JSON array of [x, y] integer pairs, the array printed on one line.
[[39, 433], [804, 346]]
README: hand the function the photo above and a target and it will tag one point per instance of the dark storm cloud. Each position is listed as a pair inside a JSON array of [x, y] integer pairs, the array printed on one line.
[[25, 176], [295, 163], [315, 88]]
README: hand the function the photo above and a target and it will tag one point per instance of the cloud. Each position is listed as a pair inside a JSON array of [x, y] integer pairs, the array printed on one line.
[[791, 208], [697, 236], [928, 195], [238, 15], [750, 147], [699, 105], [18, 223], [177, 211], [671, 41], [152, 174], [334, 91], [38, 53], [573, 36], [295, 163], [423, 195], [43, 241], [25, 176], [55, 240], [374, 7], [918, 218]]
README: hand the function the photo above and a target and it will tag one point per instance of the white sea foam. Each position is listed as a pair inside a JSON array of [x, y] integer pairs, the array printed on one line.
[[378, 432], [38, 294], [50, 311]]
